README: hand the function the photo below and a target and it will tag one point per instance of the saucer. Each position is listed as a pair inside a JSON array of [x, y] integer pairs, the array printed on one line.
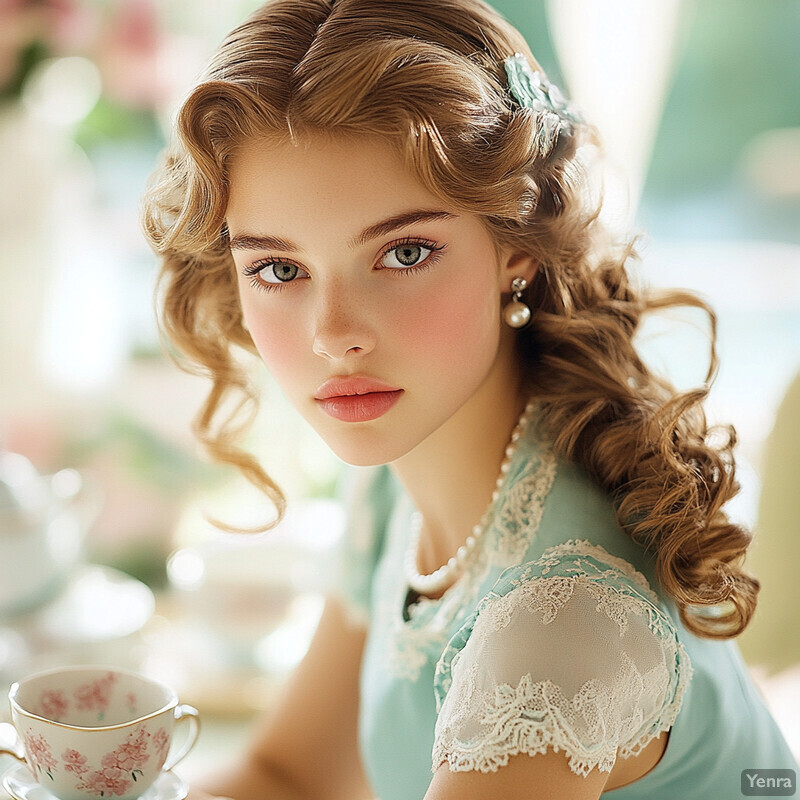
[[19, 783]]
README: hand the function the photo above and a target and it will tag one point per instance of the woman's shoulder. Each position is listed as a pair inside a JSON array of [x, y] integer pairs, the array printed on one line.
[[548, 500], [368, 495], [571, 650]]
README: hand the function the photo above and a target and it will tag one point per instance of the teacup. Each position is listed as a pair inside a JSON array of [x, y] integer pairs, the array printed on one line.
[[89, 732]]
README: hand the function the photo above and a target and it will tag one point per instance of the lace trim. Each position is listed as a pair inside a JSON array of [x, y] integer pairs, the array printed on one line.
[[554, 556], [583, 559], [547, 595], [535, 716], [413, 644], [408, 651], [520, 511]]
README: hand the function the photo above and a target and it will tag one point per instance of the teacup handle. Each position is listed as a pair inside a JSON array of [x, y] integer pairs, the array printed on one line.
[[10, 743], [192, 716]]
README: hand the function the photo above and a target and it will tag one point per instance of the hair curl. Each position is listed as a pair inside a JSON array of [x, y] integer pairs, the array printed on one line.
[[427, 76]]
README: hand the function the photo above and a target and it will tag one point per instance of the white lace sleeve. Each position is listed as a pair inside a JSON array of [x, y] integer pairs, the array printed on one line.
[[572, 652]]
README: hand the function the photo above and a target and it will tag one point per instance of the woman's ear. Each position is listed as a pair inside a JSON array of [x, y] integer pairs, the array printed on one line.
[[516, 264]]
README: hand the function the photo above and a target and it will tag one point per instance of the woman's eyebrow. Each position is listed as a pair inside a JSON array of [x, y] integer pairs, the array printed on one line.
[[252, 241], [395, 222]]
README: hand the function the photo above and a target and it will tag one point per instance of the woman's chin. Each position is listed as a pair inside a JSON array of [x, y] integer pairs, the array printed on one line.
[[362, 457], [364, 448]]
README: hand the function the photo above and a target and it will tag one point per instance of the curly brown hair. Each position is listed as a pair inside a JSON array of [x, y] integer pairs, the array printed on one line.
[[427, 76]]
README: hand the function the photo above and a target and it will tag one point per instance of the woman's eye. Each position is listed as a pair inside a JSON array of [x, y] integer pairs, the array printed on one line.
[[283, 272], [406, 255], [277, 272]]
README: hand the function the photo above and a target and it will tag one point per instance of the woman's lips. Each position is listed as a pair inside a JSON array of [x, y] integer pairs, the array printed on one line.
[[356, 398]]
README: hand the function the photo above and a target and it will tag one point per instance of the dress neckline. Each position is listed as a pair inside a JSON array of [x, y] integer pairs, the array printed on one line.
[[512, 527]]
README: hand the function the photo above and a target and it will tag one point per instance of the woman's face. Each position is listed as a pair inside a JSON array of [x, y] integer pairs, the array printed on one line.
[[375, 306]]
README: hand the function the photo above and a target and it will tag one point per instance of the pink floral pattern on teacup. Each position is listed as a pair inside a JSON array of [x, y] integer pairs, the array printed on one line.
[[39, 755], [53, 704], [95, 696], [119, 769], [131, 702], [161, 743], [106, 782], [97, 733], [132, 754], [74, 762]]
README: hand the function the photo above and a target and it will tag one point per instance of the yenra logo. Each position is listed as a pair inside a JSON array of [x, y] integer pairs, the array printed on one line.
[[769, 782]]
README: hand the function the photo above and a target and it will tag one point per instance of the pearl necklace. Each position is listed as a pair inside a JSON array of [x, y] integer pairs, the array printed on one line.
[[443, 576]]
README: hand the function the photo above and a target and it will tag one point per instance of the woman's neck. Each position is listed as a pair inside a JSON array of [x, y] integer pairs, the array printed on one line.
[[450, 476]]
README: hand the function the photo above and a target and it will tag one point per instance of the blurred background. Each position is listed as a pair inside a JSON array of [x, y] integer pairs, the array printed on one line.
[[699, 108]]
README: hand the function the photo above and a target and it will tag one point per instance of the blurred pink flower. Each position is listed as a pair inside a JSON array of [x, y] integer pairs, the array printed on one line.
[[62, 27], [129, 55], [72, 25]]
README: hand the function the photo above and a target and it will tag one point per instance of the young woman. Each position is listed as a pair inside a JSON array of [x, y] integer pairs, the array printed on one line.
[[539, 585]]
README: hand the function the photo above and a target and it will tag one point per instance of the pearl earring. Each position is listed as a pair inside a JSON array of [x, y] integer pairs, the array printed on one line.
[[516, 313]]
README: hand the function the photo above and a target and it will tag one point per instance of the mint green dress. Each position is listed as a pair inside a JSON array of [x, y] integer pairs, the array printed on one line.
[[557, 637]]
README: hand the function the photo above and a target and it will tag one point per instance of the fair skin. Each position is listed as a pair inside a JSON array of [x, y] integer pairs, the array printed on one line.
[[435, 333], [384, 280]]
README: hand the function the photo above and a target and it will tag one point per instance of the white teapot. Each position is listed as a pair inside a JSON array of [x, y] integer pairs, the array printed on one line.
[[43, 521]]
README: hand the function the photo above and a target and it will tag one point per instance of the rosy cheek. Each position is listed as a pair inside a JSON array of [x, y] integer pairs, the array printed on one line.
[[442, 326], [276, 339]]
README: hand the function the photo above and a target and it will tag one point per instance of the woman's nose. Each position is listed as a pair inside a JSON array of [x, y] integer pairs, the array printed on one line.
[[341, 327]]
